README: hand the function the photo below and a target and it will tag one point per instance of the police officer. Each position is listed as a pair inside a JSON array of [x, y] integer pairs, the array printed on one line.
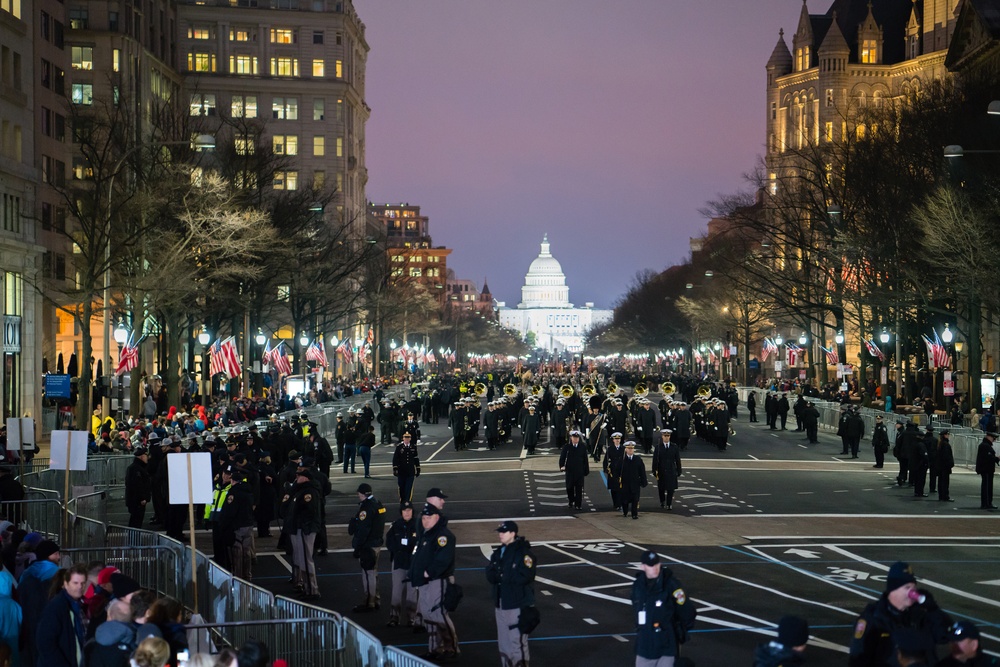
[[366, 529], [301, 510], [399, 541], [431, 569], [788, 648], [664, 615], [880, 442], [631, 480], [220, 539], [237, 522], [511, 573], [666, 468], [406, 467], [986, 465], [137, 487], [966, 650], [575, 462], [901, 606]]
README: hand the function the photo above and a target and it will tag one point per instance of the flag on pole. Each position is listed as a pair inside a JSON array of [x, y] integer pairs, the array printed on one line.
[[265, 356], [793, 352], [231, 357], [280, 360], [315, 352], [832, 357], [768, 348], [346, 351], [931, 351], [874, 349], [941, 357], [371, 336], [129, 357]]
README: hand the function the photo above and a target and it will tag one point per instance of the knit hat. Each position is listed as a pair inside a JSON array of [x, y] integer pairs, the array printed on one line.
[[793, 631], [900, 574], [122, 585], [45, 549]]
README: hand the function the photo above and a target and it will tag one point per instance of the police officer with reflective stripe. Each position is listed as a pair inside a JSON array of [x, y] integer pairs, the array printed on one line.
[[664, 615], [367, 528], [511, 572], [220, 539]]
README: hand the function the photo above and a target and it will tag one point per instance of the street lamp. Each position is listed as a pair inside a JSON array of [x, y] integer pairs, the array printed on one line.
[[333, 346], [778, 340], [358, 342], [260, 338], [803, 339], [121, 335], [206, 379], [884, 336], [947, 335], [303, 339]]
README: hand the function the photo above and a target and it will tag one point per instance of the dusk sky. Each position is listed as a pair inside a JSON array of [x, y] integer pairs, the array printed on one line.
[[606, 125]]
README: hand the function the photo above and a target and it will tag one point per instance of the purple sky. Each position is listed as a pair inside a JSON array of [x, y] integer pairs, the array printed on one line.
[[605, 124]]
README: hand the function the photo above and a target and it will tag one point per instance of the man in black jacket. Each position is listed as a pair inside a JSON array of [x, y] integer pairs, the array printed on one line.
[[986, 466], [137, 487], [301, 510], [612, 468], [237, 521], [666, 468], [366, 529], [399, 541], [406, 467], [632, 478], [574, 461], [511, 573], [431, 569], [664, 614]]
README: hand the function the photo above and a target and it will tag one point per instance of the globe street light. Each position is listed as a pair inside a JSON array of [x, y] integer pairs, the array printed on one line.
[[260, 338], [946, 335], [803, 339], [839, 338], [206, 379], [884, 336], [121, 335]]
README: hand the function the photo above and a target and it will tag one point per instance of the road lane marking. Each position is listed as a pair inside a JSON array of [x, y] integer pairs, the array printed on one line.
[[590, 621], [281, 559], [431, 457], [620, 638], [565, 605]]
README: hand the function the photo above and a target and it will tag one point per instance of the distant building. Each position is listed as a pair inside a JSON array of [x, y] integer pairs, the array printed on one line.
[[414, 258], [465, 298], [545, 310]]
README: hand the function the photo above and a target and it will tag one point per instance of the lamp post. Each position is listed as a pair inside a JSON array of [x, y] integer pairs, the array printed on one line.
[[121, 335], [260, 339], [333, 346], [303, 344], [206, 378], [358, 342], [884, 338]]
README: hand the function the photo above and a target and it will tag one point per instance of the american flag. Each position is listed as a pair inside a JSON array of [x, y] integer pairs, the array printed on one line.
[[225, 358], [451, 358], [279, 358], [831, 355], [345, 351], [874, 350], [371, 336], [265, 356], [315, 352], [937, 353], [697, 357], [129, 357], [767, 349], [711, 357], [430, 357]]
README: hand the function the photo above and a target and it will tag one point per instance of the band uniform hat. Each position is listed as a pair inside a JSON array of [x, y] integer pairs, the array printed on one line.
[[630, 444], [364, 487], [650, 558], [507, 527], [900, 574], [666, 430], [435, 492], [616, 434], [793, 631]]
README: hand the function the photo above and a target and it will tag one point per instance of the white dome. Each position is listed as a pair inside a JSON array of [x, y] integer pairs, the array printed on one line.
[[545, 283]]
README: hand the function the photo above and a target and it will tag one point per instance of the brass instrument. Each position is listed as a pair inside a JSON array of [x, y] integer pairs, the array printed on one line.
[[480, 389], [705, 391], [509, 390], [587, 391], [612, 388], [536, 389], [668, 388], [641, 390], [566, 391]]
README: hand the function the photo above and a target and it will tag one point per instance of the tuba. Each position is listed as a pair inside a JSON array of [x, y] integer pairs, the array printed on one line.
[[641, 390], [612, 388], [668, 389], [536, 389], [587, 391], [480, 389], [566, 391], [705, 391], [509, 390]]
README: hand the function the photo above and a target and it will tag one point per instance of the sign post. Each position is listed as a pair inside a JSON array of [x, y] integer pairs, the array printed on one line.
[[190, 476], [68, 453]]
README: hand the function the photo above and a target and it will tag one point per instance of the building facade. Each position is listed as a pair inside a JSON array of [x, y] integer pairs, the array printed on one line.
[[545, 312]]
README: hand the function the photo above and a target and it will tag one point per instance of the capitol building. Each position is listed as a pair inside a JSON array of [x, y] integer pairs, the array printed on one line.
[[545, 309]]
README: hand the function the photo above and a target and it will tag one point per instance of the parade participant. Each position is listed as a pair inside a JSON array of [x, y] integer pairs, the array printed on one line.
[[220, 538], [664, 615], [365, 443], [351, 435], [902, 605], [632, 479], [986, 465], [491, 426], [412, 426], [531, 429], [880, 442], [573, 461], [612, 468], [340, 435], [855, 430], [431, 569], [560, 423], [897, 451], [366, 530], [406, 467], [399, 541], [457, 423], [810, 420], [752, 405], [920, 459], [666, 468], [646, 426], [945, 462], [137, 487], [597, 434], [682, 425], [788, 649], [511, 573], [782, 407]]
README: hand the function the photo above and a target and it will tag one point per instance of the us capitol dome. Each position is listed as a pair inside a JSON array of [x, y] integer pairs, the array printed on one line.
[[545, 309]]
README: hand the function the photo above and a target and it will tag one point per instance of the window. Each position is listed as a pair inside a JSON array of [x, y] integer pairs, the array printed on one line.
[[318, 109], [83, 93], [829, 131], [340, 182], [244, 106], [869, 52], [244, 145], [46, 216], [82, 169], [319, 67], [47, 122], [58, 34], [829, 97], [397, 272], [285, 144], [340, 110], [83, 57], [340, 147], [398, 259], [774, 110], [58, 80], [201, 62], [317, 36], [202, 104], [240, 35], [285, 108], [113, 21], [284, 292], [340, 38], [319, 146], [773, 178], [243, 65], [286, 180], [284, 66], [45, 24], [45, 73], [319, 179], [116, 60], [199, 32], [415, 272], [338, 67], [282, 36], [60, 219], [78, 18], [418, 259]]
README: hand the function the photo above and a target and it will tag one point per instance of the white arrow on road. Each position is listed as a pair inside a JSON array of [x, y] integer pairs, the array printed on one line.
[[716, 504], [691, 488], [547, 474], [700, 495], [995, 582], [551, 495], [601, 549], [804, 553]]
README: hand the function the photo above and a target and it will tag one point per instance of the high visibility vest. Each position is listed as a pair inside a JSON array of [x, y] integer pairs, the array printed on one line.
[[218, 500]]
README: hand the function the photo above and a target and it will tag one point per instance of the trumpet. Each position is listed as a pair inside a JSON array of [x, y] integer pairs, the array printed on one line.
[[509, 390], [668, 388], [705, 391], [480, 389], [566, 391]]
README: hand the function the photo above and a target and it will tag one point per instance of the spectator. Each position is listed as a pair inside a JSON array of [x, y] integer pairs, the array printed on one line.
[[33, 593], [114, 640], [59, 636], [123, 587], [254, 654], [10, 616], [98, 594], [10, 548], [140, 603], [226, 658], [26, 554], [152, 652], [164, 620]]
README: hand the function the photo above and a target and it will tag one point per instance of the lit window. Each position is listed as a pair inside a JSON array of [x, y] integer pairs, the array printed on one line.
[[286, 180], [284, 292], [397, 272], [202, 104], [285, 108], [774, 184], [83, 57], [284, 66], [340, 110], [243, 65], [285, 144], [319, 67], [319, 146], [83, 93], [239, 35], [415, 272], [116, 60], [340, 147], [319, 179], [319, 107], [200, 32], [339, 69], [829, 131], [201, 62], [282, 36], [244, 145], [244, 106], [869, 52]]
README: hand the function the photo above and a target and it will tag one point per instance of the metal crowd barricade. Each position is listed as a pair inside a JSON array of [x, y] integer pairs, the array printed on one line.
[[316, 641], [87, 533], [91, 505], [361, 648], [36, 513], [394, 657], [249, 604]]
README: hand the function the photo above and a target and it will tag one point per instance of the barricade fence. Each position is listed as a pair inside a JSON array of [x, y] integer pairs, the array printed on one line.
[[964, 440]]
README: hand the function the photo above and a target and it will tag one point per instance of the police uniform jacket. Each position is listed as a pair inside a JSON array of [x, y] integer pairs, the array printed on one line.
[[368, 524], [400, 540], [873, 644], [405, 461], [666, 606], [667, 464], [434, 554], [880, 438], [237, 511], [412, 426], [137, 484], [855, 427], [632, 476], [511, 572], [575, 460], [945, 456], [613, 463], [986, 458], [301, 508], [911, 445]]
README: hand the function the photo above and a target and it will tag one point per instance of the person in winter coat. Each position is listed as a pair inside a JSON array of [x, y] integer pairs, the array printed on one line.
[[511, 573], [631, 480], [612, 468], [945, 462], [788, 649], [575, 462], [432, 567], [531, 429], [114, 639], [663, 612], [59, 637], [33, 593], [666, 468], [406, 467], [399, 542], [138, 485], [10, 615]]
